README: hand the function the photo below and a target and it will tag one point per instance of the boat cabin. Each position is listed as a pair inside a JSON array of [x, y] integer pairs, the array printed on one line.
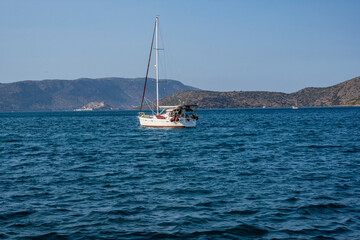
[[181, 111]]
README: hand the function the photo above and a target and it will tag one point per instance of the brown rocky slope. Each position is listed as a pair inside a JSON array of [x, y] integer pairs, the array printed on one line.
[[343, 94]]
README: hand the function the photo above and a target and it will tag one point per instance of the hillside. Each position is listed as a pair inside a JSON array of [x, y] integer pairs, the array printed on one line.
[[345, 93], [66, 95]]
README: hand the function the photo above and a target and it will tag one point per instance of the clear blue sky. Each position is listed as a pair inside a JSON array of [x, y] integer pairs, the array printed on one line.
[[214, 45]]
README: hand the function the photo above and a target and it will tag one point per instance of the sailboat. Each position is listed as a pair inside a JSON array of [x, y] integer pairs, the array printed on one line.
[[165, 116]]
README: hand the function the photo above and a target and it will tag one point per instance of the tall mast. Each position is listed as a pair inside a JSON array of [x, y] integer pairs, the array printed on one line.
[[157, 65]]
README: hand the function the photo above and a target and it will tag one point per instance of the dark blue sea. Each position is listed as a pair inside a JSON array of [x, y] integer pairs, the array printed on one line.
[[240, 174]]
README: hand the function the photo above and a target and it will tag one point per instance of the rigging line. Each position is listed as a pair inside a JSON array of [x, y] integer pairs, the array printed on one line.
[[151, 105], [147, 70], [168, 64], [163, 63]]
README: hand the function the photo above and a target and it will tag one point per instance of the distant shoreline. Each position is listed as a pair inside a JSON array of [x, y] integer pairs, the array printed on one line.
[[200, 109], [123, 93]]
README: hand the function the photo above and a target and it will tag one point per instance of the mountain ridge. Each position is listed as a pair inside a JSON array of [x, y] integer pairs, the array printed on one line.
[[126, 93], [66, 95], [341, 94]]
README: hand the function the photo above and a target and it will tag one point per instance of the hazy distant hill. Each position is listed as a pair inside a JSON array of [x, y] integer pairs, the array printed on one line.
[[346, 93], [64, 95]]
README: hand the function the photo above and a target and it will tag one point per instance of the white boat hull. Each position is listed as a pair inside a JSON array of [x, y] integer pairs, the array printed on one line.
[[152, 121]]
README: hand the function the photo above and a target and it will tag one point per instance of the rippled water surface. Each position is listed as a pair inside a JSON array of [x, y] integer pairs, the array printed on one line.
[[256, 173]]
